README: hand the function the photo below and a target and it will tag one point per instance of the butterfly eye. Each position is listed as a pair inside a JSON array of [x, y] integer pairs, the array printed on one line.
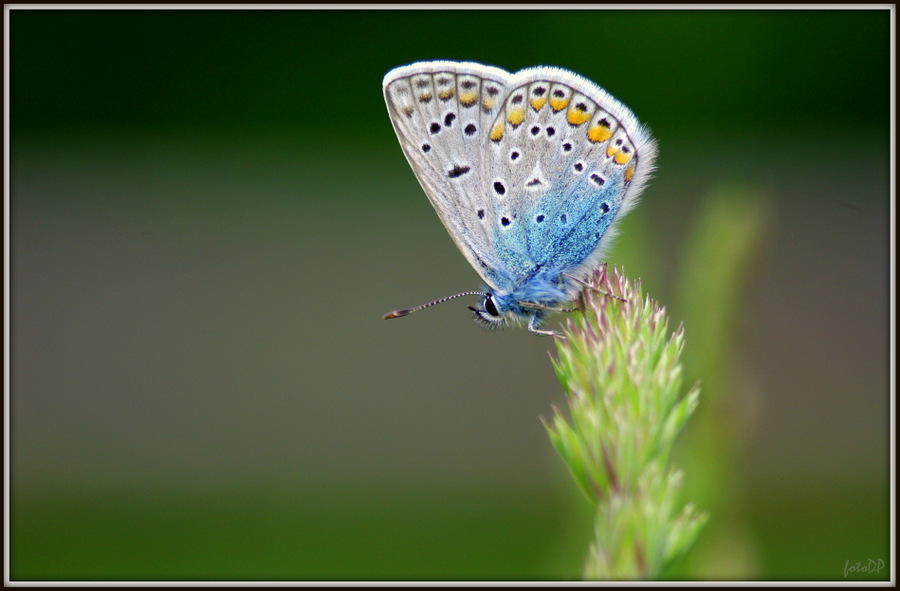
[[489, 306]]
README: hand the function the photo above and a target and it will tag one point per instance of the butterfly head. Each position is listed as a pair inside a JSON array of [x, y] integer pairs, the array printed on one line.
[[498, 310], [489, 315]]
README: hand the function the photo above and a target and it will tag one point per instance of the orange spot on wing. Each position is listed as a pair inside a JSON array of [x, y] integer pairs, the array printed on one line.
[[599, 133], [558, 104], [515, 116], [622, 158], [467, 99], [577, 116]]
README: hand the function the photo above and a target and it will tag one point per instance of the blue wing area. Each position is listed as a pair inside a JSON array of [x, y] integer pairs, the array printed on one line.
[[571, 234], [556, 232]]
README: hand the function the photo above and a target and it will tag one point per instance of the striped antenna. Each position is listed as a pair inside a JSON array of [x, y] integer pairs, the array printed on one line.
[[408, 311]]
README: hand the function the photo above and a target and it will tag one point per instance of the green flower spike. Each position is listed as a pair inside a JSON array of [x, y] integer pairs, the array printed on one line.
[[622, 378]]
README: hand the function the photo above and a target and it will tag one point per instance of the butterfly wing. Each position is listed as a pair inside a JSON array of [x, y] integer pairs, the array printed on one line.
[[441, 112], [567, 160], [528, 171]]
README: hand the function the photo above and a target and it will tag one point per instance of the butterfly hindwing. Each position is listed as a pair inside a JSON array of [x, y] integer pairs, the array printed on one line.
[[566, 155]]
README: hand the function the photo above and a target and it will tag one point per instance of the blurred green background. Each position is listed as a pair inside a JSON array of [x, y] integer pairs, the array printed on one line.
[[210, 213]]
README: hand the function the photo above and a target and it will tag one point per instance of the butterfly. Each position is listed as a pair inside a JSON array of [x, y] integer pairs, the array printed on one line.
[[528, 171]]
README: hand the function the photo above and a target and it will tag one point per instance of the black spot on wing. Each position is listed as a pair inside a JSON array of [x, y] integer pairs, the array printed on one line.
[[458, 171]]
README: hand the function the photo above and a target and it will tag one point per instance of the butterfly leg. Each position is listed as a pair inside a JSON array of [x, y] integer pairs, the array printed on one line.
[[592, 288], [545, 333], [537, 306]]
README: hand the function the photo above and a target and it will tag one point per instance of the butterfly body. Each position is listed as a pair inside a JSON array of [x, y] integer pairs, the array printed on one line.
[[527, 171]]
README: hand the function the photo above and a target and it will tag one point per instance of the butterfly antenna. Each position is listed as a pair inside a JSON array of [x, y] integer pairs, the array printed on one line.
[[408, 311]]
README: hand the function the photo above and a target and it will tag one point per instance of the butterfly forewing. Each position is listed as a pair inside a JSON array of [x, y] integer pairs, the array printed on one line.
[[441, 112]]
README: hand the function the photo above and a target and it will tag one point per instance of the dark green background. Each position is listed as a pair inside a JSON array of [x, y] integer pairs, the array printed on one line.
[[210, 213]]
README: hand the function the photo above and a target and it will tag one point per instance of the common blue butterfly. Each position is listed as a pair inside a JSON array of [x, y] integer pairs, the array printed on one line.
[[527, 171]]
